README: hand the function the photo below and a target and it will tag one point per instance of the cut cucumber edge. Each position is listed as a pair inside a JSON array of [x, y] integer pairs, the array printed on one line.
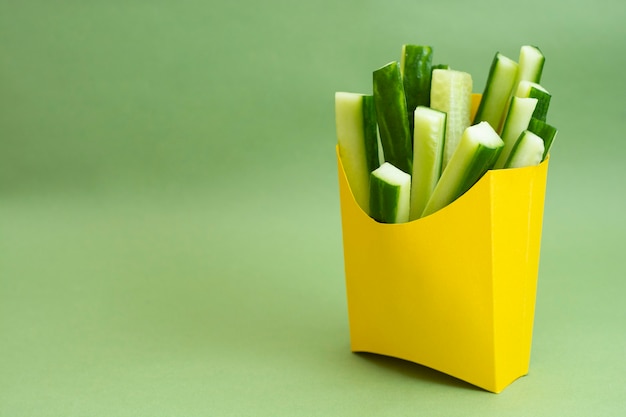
[[357, 142], [390, 193], [531, 62], [498, 89], [528, 151], [517, 120], [428, 145], [479, 147]]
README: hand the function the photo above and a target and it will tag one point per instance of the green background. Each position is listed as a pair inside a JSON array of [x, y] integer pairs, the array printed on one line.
[[169, 218]]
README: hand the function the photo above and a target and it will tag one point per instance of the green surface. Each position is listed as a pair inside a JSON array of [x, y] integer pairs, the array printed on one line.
[[169, 215]]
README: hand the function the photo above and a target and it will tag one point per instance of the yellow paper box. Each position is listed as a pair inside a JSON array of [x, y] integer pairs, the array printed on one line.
[[454, 291]]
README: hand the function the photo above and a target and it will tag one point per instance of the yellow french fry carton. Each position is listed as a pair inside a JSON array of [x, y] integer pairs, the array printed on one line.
[[453, 291]]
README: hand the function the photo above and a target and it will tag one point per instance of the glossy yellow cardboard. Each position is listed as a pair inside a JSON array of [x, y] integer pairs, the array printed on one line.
[[454, 291]]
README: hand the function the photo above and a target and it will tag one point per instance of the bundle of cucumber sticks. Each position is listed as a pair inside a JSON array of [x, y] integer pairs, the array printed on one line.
[[411, 148]]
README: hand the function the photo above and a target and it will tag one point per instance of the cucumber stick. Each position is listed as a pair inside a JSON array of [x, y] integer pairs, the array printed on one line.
[[479, 148], [428, 143], [517, 120], [498, 89], [391, 112], [451, 92], [531, 61], [355, 121], [544, 131], [528, 151], [531, 89], [416, 67], [390, 194]]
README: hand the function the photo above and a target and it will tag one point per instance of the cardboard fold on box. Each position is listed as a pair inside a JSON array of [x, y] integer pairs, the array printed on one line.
[[454, 291]]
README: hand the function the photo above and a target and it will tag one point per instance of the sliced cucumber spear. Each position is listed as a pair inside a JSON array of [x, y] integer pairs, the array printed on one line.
[[531, 89], [416, 67], [428, 144], [479, 147], [391, 112], [531, 61], [390, 194], [355, 121], [498, 89], [451, 92], [517, 120], [544, 131], [528, 151]]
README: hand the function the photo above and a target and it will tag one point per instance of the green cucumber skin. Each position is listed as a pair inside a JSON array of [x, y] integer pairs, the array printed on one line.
[[491, 93], [416, 67], [370, 133], [390, 194], [391, 111], [439, 66], [543, 103], [544, 131], [472, 159], [486, 92], [483, 160], [383, 200]]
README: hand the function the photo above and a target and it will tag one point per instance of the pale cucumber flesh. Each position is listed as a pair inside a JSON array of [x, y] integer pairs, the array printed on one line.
[[355, 121], [529, 89], [528, 151], [428, 144], [451, 92], [517, 120], [498, 89], [531, 61]]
